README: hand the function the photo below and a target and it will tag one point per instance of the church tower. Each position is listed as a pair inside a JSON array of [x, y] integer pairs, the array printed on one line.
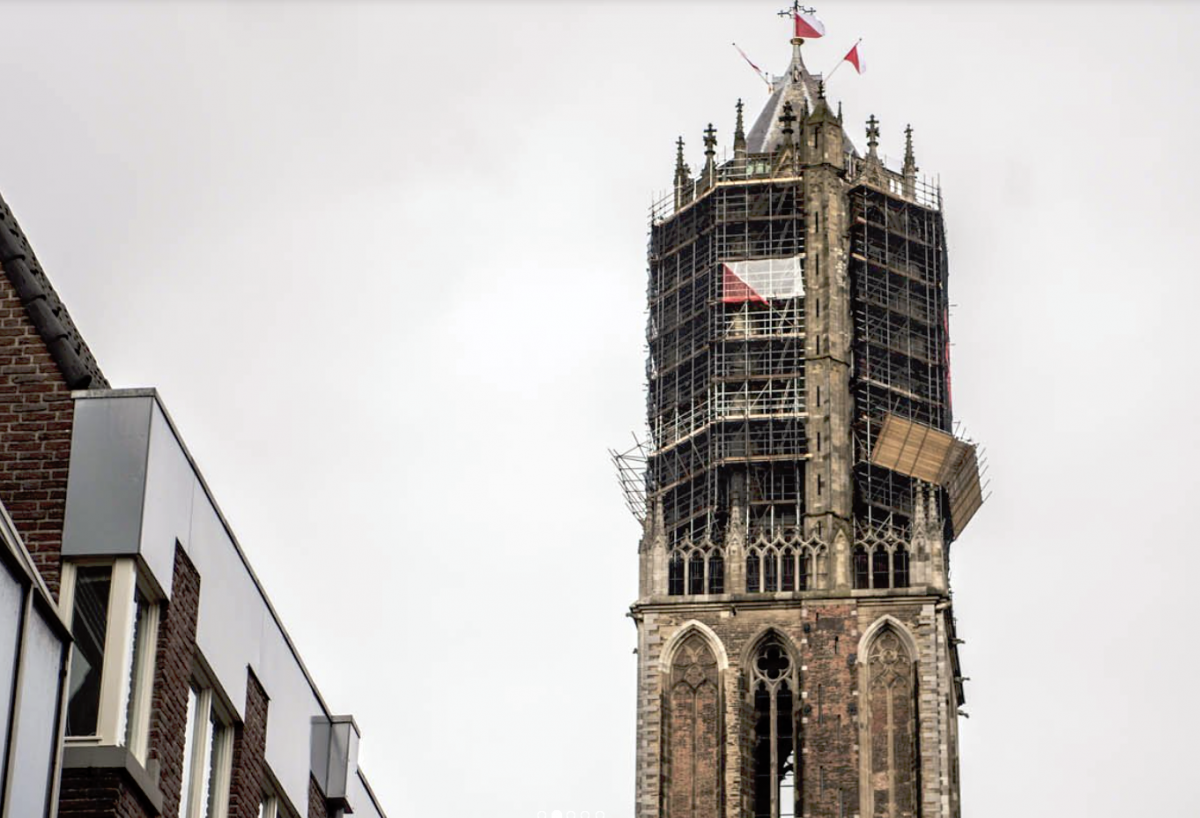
[[803, 483]]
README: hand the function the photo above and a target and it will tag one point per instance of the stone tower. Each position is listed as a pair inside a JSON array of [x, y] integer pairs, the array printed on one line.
[[796, 642]]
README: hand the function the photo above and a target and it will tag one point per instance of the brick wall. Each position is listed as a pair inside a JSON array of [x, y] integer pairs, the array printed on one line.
[[825, 634], [36, 414], [316, 800], [249, 749], [172, 680], [87, 793]]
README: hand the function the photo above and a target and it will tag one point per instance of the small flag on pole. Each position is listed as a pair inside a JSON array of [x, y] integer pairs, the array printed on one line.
[[761, 74], [808, 26], [855, 59]]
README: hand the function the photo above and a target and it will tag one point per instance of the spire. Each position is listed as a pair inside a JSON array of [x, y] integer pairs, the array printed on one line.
[[681, 168], [739, 136], [683, 176], [710, 151], [873, 137], [910, 161], [796, 86], [910, 165]]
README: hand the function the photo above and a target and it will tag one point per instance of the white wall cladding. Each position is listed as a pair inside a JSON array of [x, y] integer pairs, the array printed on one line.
[[134, 489]]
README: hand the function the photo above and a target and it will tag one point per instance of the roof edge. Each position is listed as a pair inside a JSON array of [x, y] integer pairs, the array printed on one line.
[[44, 308]]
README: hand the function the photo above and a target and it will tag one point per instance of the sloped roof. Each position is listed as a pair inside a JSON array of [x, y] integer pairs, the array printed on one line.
[[45, 308], [797, 86]]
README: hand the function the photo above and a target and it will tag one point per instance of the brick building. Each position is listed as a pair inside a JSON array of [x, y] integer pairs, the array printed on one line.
[[803, 485], [183, 695]]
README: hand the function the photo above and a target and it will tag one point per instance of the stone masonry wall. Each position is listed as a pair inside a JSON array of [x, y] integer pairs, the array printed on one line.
[[825, 634]]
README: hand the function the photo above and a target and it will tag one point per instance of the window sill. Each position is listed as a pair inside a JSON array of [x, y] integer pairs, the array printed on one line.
[[99, 756]]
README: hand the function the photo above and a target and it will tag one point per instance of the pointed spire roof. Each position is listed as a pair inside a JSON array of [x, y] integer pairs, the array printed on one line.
[[796, 86]]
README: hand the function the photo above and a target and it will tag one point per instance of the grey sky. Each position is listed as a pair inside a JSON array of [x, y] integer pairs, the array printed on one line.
[[386, 264]]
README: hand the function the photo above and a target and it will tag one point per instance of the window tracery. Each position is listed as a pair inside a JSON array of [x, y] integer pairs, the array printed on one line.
[[773, 696], [891, 716], [692, 764]]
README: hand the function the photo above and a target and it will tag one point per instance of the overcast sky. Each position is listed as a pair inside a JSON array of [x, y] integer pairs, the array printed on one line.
[[386, 264]]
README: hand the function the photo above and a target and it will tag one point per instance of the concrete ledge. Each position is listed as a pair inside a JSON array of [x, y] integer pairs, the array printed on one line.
[[76, 757]]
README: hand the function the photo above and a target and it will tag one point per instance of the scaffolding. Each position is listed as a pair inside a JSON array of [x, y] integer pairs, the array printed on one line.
[[898, 273], [726, 396]]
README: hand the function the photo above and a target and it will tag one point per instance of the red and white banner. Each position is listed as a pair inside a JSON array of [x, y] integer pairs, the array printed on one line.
[[855, 59], [808, 26], [762, 280]]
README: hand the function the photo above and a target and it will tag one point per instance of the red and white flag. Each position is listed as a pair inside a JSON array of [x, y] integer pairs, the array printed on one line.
[[855, 59], [808, 26], [762, 280]]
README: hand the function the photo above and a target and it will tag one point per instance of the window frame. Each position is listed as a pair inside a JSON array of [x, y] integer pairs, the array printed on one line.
[[209, 770], [130, 653]]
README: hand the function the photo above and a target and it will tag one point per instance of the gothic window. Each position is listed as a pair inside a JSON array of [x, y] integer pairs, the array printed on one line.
[[716, 573], [675, 575], [879, 568], [787, 581], [693, 747], [805, 570], [862, 572], [752, 563], [773, 740], [891, 716], [696, 573], [900, 567], [770, 572]]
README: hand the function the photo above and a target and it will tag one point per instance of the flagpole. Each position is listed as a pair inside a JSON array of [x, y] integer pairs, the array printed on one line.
[[842, 60]]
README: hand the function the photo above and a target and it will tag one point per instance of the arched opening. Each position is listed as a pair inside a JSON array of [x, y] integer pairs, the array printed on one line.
[[752, 564], [773, 746], [716, 573], [892, 757], [900, 567], [787, 574], [862, 568], [675, 574], [770, 572], [696, 573], [692, 757], [880, 573], [804, 578]]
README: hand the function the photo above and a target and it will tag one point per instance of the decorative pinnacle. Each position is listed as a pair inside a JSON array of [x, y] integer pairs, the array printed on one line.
[[679, 166], [821, 89], [873, 134], [788, 119], [908, 148], [738, 134], [839, 112], [710, 140]]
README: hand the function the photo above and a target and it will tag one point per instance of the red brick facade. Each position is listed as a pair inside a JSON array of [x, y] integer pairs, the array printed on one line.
[[172, 679], [89, 793], [36, 414], [316, 801], [249, 748]]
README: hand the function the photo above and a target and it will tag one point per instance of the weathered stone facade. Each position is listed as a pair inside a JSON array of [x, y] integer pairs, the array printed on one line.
[[794, 664]]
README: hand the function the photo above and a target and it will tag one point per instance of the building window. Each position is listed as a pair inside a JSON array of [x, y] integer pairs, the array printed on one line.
[[862, 570], [879, 568], [115, 630], [207, 759], [788, 579], [696, 573], [675, 575], [773, 698], [752, 563], [716, 573], [900, 567]]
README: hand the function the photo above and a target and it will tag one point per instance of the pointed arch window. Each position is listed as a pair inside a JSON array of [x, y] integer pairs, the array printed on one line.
[[862, 567], [716, 573], [787, 579], [692, 760], [696, 573], [892, 756], [773, 746], [675, 575], [752, 565], [880, 571], [900, 567]]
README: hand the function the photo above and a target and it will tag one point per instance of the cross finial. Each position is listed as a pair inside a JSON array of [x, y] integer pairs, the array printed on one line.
[[795, 9], [872, 134], [787, 118], [710, 140], [738, 131], [679, 154]]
